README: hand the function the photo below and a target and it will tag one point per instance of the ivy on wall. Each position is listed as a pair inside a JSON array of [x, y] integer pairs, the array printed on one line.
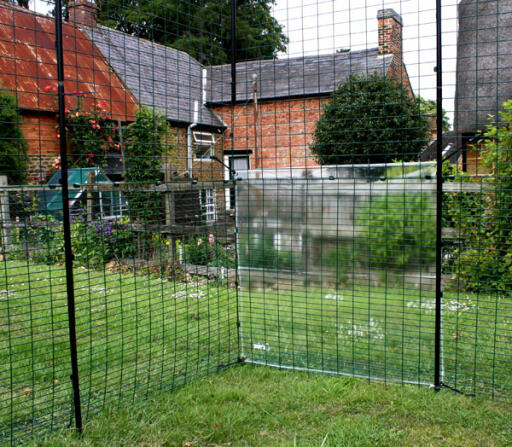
[[13, 147]]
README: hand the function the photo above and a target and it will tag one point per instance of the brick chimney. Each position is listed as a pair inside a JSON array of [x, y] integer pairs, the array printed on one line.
[[390, 32], [82, 12]]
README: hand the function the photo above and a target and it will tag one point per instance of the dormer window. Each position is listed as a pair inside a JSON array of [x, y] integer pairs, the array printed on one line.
[[203, 143]]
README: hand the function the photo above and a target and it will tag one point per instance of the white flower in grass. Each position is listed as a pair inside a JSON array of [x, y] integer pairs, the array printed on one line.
[[334, 297]]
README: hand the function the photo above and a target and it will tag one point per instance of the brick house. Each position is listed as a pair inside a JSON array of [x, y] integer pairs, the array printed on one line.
[[280, 101], [28, 65], [174, 84]]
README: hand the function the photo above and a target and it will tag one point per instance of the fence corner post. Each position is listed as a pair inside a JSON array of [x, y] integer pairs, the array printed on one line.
[[5, 216]]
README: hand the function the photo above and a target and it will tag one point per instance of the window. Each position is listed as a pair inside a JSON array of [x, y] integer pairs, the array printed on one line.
[[239, 164], [203, 143], [208, 205]]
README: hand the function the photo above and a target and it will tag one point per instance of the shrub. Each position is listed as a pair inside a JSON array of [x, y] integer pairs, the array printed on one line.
[[485, 260], [91, 135], [258, 250], [370, 120], [341, 259], [201, 250], [93, 243], [13, 147], [145, 148], [396, 231]]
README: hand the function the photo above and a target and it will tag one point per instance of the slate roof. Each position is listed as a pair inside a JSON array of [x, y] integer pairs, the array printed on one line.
[[484, 62], [301, 76], [159, 76], [28, 64], [450, 148]]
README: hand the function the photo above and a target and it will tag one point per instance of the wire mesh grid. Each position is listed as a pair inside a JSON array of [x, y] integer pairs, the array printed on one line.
[[184, 186]]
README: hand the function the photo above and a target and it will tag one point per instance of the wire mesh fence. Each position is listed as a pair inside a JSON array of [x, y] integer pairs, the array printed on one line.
[[185, 186]]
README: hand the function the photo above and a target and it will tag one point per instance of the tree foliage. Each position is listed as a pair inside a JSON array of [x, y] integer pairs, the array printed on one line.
[[370, 120], [201, 28], [485, 259], [13, 147], [22, 3], [429, 107]]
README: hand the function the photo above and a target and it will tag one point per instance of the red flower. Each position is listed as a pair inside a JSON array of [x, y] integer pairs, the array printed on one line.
[[92, 121], [47, 88], [54, 89], [103, 105], [91, 155], [66, 111]]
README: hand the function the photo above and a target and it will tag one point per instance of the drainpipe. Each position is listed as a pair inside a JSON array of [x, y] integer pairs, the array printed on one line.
[[189, 138], [257, 158], [205, 84]]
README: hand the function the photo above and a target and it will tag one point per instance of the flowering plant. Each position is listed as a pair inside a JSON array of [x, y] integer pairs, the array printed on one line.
[[91, 135]]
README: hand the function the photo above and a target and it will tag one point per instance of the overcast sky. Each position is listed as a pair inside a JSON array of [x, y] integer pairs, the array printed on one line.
[[324, 26]]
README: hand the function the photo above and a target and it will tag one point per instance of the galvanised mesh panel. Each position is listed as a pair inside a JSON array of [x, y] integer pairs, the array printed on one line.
[[311, 185], [337, 272]]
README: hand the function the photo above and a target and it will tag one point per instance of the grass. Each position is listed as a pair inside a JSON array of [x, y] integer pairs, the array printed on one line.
[[382, 332], [135, 334], [139, 334], [258, 406]]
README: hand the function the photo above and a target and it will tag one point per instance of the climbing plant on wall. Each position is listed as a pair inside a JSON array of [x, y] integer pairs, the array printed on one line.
[[13, 147]]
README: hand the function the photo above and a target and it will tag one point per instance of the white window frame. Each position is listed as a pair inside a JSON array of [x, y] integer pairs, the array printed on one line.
[[204, 141], [208, 202]]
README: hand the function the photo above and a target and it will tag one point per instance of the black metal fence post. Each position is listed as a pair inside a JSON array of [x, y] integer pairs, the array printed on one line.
[[232, 176], [66, 219], [439, 196]]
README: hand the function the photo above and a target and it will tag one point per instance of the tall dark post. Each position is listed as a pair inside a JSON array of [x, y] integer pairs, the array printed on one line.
[[231, 172], [65, 217], [439, 201], [233, 56]]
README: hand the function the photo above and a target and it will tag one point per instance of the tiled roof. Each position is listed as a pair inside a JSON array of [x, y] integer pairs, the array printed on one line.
[[28, 65], [303, 76], [159, 76]]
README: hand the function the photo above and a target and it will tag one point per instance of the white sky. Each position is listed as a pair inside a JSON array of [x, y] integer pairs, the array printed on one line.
[[323, 26]]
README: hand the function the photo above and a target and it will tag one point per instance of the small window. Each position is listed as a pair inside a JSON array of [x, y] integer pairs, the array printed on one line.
[[203, 145], [208, 205]]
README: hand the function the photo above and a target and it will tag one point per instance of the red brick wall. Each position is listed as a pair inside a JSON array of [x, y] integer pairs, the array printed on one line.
[[390, 36], [285, 131], [40, 132], [285, 128]]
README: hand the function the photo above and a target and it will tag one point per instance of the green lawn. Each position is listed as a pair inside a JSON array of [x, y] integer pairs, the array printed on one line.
[[139, 334], [382, 332], [258, 406], [135, 334]]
